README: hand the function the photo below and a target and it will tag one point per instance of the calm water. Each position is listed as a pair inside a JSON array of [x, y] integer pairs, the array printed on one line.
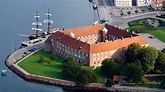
[[16, 18]]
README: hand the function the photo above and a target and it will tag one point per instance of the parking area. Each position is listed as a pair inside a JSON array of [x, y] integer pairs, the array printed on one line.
[[153, 41]]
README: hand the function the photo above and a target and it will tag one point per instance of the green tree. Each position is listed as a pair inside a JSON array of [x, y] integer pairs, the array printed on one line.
[[163, 84], [160, 63], [49, 62], [136, 11], [52, 56], [143, 10], [121, 13], [70, 68], [163, 4], [148, 57], [132, 52], [109, 82], [163, 50], [85, 77], [129, 12], [134, 73], [41, 59], [110, 68]]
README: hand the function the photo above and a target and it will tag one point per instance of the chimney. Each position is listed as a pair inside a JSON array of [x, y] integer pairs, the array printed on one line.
[[131, 36], [80, 47], [63, 29], [121, 38], [127, 30]]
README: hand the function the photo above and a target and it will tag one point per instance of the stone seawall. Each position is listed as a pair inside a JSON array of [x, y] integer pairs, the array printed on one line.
[[67, 85]]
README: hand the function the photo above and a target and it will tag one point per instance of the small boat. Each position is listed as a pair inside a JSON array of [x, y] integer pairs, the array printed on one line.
[[30, 42], [94, 6], [3, 72], [90, 0]]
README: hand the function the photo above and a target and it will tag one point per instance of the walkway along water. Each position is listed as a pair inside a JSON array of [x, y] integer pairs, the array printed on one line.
[[14, 58]]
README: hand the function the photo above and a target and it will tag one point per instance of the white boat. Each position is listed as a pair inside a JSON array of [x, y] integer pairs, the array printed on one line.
[[30, 42]]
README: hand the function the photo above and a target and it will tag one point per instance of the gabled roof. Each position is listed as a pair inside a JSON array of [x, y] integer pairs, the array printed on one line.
[[70, 42], [127, 38], [116, 44], [85, 30]]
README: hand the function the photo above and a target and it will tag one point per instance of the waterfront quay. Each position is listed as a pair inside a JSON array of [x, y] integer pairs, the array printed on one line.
[[17, 56]]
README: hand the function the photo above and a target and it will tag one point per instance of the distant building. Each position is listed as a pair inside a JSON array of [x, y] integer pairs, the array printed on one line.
[[143, 2], [123, 3], [90, 45], [158, 3]]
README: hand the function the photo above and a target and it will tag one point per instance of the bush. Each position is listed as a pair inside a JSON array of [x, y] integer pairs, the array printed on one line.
[[52, 56], [163, 84], [41, 59], [109, 83]]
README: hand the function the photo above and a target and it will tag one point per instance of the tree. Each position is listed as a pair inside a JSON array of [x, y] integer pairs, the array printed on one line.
[[163, 4], [110, 68], [163, 50], [163, 84], [121, 13], [41, 59], [143, 10], [132, 52], [148, 57], [70, 68], [134, 73], [136, 11], [160, 62], [85, 77], [109, 82], [49, 62], [52, 56], [129, 12]]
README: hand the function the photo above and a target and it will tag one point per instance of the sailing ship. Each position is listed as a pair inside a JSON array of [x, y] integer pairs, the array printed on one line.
[[34, 37]]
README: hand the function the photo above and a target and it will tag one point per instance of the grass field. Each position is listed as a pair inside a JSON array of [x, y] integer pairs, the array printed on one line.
[[32, 65], [142, 28], [158, 33]]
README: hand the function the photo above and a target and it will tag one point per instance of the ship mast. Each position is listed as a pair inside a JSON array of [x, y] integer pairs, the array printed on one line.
[[37, 24], [48, 21]]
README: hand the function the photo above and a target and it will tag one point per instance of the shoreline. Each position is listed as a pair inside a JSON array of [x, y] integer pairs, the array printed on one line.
[[66, 85]]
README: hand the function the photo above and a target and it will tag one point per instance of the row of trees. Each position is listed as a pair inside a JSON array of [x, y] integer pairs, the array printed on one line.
[[129, 12], [137, 61], [82, 76]]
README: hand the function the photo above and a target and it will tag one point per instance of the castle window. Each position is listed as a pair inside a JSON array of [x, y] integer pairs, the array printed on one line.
[[86, 55], [94, 54], [94, 59], [57, 42]]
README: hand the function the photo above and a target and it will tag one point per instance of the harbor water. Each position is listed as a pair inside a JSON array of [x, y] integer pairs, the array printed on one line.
[[16, 17]]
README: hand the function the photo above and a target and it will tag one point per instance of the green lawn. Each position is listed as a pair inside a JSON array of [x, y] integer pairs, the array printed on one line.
[[158, 33], [144, 85], [32, 66], [142, 28]]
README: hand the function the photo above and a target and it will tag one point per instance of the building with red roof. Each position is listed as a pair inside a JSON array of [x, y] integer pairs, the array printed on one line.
[[90, 45]]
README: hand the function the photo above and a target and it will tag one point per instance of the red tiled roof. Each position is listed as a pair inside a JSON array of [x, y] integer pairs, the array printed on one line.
[[71, 42], [85, 30], [101, 46], [116, 44]]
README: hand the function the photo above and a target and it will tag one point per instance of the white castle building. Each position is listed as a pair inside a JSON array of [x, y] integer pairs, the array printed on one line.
[[143, 2], [123, 3]]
